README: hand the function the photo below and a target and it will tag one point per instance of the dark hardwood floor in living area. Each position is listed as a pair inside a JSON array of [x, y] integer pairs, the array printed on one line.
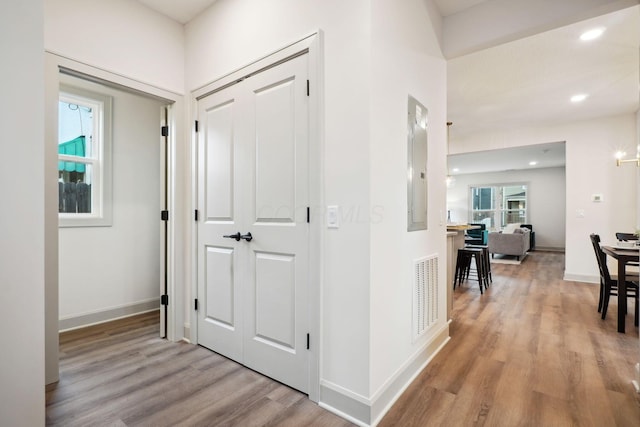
[[532, 351]]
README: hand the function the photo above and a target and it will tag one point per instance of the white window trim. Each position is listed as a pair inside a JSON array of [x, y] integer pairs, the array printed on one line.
[[102, 197]]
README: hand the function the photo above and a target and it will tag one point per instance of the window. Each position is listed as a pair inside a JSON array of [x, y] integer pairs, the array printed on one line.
[[497, 206], [84, 160]]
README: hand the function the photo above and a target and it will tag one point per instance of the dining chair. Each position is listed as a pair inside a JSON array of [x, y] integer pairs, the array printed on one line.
[[609, 283], [625, 237], [628, 237]]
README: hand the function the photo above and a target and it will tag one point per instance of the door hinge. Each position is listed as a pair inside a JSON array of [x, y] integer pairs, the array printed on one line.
[[165, 130], [308, 87], [195, 304], [197, 126], [195, 215], [308, 214], [164, 299], [164, 215], [308, 340]]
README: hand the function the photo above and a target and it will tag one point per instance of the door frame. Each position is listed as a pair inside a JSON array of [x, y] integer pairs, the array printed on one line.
[[165, 225], [54, 63], [312, 46]]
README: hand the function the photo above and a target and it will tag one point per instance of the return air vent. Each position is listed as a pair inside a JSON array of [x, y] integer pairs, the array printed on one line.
[[425, 294]]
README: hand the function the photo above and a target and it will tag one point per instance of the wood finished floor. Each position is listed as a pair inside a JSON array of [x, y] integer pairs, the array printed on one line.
[[122, 374], [532, 351]]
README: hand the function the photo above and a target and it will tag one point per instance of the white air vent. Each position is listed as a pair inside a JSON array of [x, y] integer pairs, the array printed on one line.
[[425, 294]]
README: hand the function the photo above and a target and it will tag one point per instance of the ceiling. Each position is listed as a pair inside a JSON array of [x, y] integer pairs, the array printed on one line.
[[182, 11], [527, 82], [450, 7], [544, 155]]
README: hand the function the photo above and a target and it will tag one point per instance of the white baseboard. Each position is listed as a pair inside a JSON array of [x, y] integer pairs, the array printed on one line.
[[393, 388], [366, 412], [107, 315], [345, 403], [187, 332], [581, 278]]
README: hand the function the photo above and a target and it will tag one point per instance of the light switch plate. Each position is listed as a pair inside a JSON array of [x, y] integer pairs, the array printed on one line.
[[333, 219]]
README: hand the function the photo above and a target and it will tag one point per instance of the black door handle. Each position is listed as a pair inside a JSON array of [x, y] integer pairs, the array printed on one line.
[[248, 237], [236, 236]]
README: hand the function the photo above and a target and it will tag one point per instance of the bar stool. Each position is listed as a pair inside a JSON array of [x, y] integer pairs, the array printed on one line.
[[487, 262], [463, 266]]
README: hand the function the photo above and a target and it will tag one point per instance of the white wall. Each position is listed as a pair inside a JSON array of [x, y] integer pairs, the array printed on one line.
[[638, 217], [638, 174], [546, 200], [406, 61], [120, 36], [104, 268], [22, 215], [590, 169], [234, 33]]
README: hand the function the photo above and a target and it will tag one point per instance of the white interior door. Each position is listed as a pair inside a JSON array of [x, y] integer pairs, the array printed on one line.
[[276, 293], [253, 180], [219, 315]]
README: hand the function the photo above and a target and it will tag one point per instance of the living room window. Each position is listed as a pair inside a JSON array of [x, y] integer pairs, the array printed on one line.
[[498, 205], [84, 169]]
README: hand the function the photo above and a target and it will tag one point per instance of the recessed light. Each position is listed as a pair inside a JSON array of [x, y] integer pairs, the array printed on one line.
[[533, 163], [579, 98], [592, 34], [456, 170]]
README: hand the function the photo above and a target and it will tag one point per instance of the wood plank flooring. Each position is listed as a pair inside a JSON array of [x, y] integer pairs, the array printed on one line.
[[122, 374], [532, 351]]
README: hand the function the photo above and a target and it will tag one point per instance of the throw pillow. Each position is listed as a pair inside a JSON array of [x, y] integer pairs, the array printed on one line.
[[510, 228]]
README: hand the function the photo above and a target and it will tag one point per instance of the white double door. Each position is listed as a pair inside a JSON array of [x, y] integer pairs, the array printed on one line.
[[253, 234]]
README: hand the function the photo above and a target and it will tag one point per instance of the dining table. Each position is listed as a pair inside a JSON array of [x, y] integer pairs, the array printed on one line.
[[623, 256]]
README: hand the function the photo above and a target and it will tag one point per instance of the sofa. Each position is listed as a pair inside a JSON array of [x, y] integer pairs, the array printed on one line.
[[511, 241]]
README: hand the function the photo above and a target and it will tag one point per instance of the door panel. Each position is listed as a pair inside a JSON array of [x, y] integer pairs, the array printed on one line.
[[219, 314], [253, 177], [275, 299], [280, 249], [219, 287], [219, 162], [275, 151]]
